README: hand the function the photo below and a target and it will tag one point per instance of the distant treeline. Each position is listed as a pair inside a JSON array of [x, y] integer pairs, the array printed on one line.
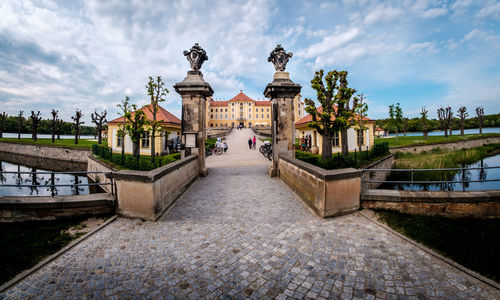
[[11, 125], [415, 124]]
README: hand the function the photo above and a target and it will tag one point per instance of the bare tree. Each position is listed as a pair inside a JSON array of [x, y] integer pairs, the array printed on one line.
[[3, 118], [125, 107], [424, 123], [99, 120], [156, 90], [480, 114], [59, 124], [35, 120], [53, 124], [361, 112], [445, 115], [20, 122], [463, 114], [77, 124]]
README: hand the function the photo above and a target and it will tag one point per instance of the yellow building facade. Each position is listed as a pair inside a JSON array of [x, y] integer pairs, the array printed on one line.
[[245, 111], [165, 140]]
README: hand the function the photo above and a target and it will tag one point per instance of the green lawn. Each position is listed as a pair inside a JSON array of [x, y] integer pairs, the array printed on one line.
[[87, 144], [24, 244], [471, 242], [419, 140]]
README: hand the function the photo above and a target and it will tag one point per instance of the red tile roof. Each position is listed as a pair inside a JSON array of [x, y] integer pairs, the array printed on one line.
[[263, 103], [308, 118], [213, 103], [162, 115], [241, 97]]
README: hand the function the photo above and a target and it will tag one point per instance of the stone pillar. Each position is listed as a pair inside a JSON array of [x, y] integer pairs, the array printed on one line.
[[282, 91], [194, 91]]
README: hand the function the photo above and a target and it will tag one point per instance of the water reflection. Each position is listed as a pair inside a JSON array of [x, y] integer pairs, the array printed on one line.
[[36, 184], [479, 178]]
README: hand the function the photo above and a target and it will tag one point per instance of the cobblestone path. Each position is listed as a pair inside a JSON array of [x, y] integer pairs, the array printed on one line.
[[239, 234]]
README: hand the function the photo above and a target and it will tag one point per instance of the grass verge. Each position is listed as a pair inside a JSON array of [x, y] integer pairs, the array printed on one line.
[[419, 140], [24, 244], [82, 144], [471, 242]]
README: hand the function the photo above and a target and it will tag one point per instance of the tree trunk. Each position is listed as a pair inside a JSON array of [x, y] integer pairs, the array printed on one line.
[[426, 134], [53, 137], [136, 149], [462, 128], [480, 129], [152, 144], [344, 141], [445, 132], [33, 136], [76, 137], [19, 132], [451, 131], [327, 145], [396, 135], [99, 136]]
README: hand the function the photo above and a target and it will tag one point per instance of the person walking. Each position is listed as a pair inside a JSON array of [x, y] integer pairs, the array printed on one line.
[[254, 142], [250, 143]]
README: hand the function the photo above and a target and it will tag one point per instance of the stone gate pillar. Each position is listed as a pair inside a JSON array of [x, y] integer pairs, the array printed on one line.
[[194, 91], [281, 91]]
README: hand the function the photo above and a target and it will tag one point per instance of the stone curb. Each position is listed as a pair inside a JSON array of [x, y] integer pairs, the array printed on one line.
[[431, 252], [52, 257]]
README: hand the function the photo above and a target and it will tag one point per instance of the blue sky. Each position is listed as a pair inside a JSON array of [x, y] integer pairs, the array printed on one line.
[[91, 54]]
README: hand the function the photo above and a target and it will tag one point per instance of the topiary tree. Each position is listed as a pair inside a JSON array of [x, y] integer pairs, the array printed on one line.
[[34, 121], [3, 118], [77, 124], [361, 110], [135, 128], [20, 123], [98, 120], [336, 112], [125, 109], [156, 91], [396, 117], [463, 114], [480, 114], [424, 123]]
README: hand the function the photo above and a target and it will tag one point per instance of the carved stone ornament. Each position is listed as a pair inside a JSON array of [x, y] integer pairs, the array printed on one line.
[[279, 58], [196, 57]]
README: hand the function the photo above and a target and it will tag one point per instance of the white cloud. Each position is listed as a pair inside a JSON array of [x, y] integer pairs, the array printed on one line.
[[381, 13], [338, 39], [491, 11]]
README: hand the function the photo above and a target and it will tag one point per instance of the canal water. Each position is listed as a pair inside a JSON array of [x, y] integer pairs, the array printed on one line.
[[46, 136], [20, 163], [480, 174], [455, 132]]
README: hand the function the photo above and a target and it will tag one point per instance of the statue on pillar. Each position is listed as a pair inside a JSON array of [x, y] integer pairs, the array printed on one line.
[[279, 58], [196, 57]]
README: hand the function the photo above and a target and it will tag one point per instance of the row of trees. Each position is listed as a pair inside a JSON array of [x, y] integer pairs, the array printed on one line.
[[338, 112], [34, 124], [135, 123], [457, 122]]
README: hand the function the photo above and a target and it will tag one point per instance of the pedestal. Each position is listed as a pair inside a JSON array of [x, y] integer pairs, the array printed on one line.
[[194, 90], [282, 91]]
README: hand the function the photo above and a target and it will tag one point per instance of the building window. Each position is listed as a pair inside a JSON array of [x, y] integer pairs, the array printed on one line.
[[211, 116], [232, 109], [216, 110], [268, 111], [232, 104], [216, 125], [226, 116], [268, 116], [226, 109], [262, 116], [145, 140], [232, 116], [257, 110], [262, 110], [119, 141], [256, 116], [216, 116], [211, 110], [361, 137], [249, 110], [211, 125], [249, 116], [335, 139]]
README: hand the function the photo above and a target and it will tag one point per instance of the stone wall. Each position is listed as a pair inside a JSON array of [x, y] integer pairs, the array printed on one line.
[[262, 131], [457, 145], [147, 195], [213, 133], [95, 165], [44, 163], [384, 163], [327, 192], [16, 209], [446, 203], [59, 153]]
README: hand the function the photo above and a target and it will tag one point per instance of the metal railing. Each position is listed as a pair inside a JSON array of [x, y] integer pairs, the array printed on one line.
[[413, 182], [52, 179]]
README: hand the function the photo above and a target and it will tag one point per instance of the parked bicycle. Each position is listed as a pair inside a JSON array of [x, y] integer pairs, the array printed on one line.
[[267, 150]]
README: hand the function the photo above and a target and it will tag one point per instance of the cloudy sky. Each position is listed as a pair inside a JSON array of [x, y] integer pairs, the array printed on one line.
[[91, 54]]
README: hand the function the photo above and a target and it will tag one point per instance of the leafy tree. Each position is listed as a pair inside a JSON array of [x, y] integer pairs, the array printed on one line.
[[424, 122], [135, 128], [480, 114], [463, 114], [334, 99], [361, 110], [53, 124], [99, 120], [156, 91], [396, 117], [445, 116], [35, 121], [77, 123], [20, 123], [3, 118], [125, 107]]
